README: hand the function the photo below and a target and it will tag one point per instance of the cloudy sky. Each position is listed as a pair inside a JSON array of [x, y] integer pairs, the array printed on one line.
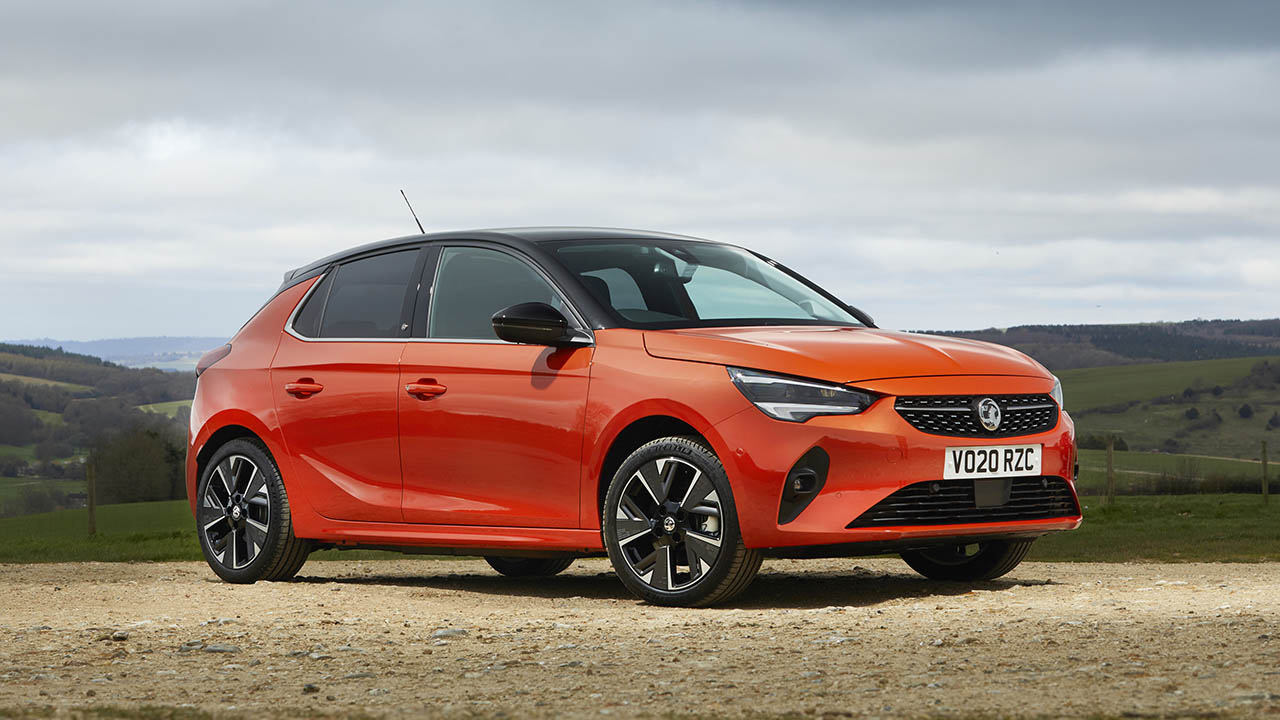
[[940, 165]]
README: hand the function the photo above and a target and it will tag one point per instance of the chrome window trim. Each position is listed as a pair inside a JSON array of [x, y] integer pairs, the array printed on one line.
[[583, 327]]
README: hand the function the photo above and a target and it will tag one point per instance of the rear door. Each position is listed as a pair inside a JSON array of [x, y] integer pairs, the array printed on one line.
[[336, 384], [497, 440]]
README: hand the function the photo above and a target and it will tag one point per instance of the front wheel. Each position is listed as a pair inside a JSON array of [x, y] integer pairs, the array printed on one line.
[[671, 529], [243, 519], [975, 561]]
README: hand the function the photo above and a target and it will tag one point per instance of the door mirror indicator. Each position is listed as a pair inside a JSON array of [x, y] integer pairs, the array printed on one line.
[[536, 323]]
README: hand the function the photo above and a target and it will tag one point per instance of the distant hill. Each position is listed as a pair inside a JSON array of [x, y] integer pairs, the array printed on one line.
[[1058, 347], [166, 353], [1062, 347]]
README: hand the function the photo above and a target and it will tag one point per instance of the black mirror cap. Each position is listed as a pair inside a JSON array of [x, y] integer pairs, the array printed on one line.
[[533, 323]]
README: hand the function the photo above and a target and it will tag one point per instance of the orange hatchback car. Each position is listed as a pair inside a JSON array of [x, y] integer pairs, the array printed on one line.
[[687, 407]]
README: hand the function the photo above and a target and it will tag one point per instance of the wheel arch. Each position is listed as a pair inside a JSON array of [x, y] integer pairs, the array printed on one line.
[[218, 431], [220, 437], [644, 423]]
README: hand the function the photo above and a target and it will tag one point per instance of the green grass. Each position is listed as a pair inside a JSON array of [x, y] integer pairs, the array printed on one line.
[[1090, 388], [134, 532], [1170, 528], [49, 418], [11, 487], [1149, 426], [1152, 462], [138, 531], [71, 387], [166, 408], [26, 452]]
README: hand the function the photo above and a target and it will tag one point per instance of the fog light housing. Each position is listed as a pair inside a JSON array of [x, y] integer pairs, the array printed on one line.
[[803, 483]]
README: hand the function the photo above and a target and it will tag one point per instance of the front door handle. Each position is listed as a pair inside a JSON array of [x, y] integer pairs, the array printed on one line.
[[425, 389], [304, 388]]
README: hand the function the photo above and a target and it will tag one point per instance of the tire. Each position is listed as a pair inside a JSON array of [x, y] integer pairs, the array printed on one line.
[[980, 561], [694, 523], [528, 567], [243, 519]]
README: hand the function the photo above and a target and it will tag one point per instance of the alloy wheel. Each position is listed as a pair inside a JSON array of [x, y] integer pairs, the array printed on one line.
[[235, 512], [668, 523]]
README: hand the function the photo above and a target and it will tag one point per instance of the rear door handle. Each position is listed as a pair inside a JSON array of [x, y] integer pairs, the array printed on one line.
[[425, 389], [306, 387]]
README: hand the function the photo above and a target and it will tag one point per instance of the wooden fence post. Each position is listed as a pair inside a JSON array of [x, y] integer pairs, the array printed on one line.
[[93, 497], [1111, 471], [1266, 482]]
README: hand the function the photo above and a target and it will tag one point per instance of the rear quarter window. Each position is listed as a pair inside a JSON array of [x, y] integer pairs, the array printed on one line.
[[360, 299]]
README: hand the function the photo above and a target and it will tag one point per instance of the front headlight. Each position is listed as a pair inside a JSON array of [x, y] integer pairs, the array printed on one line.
[[796, 399], [1056, 393]]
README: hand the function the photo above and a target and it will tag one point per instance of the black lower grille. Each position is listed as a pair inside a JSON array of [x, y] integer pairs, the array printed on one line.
[[951, 502], [957, 415]]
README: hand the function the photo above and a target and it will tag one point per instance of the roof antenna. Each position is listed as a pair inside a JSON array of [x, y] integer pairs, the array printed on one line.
[[411, 212]]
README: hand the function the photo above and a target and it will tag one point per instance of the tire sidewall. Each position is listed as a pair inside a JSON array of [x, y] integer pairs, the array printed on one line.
[[730, 536], [270, 552], [986, 565]]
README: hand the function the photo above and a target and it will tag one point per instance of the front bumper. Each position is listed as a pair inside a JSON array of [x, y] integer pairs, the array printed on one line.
[[873, 455]]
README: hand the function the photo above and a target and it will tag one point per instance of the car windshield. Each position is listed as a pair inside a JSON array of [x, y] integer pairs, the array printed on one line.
[[674, 283]]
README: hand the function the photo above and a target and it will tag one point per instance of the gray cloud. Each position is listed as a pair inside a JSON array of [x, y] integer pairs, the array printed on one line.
[[942, 165]]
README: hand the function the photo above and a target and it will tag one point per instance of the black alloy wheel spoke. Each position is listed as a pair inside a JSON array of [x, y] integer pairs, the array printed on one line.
[[660, 576], [226, 479], [257, 533], [653, 482], [255, 485], [699, 490], [630, 530], [701, 547]]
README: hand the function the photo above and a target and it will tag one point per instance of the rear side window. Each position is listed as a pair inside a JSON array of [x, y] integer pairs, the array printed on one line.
[[307, 324], [360, 299], [474, 283]]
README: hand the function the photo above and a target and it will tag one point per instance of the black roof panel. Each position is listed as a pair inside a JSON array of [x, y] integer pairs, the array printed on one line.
[[508, 236]]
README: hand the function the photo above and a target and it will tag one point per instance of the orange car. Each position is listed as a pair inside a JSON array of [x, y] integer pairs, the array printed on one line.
[[686, 407]]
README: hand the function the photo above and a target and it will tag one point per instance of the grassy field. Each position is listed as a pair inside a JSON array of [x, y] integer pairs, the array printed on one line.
[[1149, 426], [10, 487], [166, 408], [49, 418], [1219, 528], [26, 452], [1090, 388], [1171, 464], [146, 532], [1170, 528], [71, 387]]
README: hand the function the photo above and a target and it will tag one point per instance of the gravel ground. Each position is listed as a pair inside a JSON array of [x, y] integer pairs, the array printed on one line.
[[821, 637]]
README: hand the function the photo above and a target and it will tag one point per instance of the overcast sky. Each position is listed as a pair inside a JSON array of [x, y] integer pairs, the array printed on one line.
[[948, 166]]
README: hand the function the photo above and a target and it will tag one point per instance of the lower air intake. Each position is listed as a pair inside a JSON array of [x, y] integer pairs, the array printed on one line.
[[952, 502]]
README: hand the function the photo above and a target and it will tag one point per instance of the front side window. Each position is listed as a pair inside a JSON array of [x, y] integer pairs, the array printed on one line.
[[473, 283], [360, 299], [662, 284]]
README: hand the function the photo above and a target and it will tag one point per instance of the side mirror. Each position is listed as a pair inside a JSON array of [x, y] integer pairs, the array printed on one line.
[[535, 323]]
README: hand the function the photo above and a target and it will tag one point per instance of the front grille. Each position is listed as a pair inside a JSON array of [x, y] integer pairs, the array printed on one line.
[[951, 502], [957, 415]]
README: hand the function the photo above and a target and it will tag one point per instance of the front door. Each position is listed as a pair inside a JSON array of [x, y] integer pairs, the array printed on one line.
[[335, 379], [490, 432]]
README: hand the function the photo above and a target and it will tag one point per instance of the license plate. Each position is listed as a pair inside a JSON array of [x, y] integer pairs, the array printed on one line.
[[991, 462]]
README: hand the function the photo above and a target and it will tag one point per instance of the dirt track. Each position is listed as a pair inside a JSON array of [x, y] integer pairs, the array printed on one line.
[[452, 638]]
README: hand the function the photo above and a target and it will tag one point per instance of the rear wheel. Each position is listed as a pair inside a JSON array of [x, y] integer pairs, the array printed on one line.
[[975, 561], [671, 528], [243, 519], [528, 567]]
